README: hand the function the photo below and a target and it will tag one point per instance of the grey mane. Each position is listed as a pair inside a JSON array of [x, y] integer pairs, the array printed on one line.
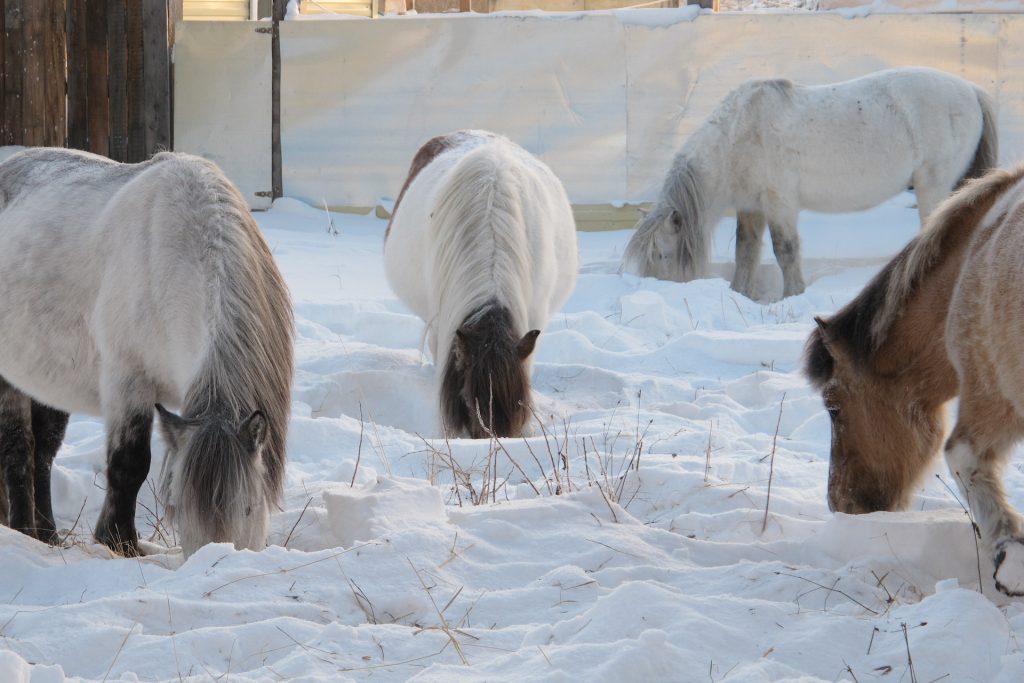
[[249, 366]]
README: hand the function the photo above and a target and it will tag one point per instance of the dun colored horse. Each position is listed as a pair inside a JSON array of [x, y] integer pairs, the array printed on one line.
[[944, 318]]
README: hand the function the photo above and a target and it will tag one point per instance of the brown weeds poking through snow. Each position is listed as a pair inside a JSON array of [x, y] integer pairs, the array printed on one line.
[[486, 481]]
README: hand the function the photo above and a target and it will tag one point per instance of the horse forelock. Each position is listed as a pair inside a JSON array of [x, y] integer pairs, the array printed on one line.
[[639, 254], [218, 487], [485, 386], [864, 324]]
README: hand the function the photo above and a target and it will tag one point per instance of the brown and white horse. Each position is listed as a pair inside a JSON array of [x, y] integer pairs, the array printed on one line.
[[482, 247], [945, 318]]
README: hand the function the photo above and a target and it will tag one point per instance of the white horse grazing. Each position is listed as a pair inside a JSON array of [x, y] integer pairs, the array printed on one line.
[[123, 286], [482, 246], [772, 148]]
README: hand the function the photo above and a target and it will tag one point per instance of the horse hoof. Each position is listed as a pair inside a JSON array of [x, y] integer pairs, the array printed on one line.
[[1009, 573], [114, 541]]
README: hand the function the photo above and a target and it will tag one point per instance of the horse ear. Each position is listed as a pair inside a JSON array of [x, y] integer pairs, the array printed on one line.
[[253, 432], [527, 344], [823, 332], [644, 212], [172, 427], [461, 347], [677, 220]]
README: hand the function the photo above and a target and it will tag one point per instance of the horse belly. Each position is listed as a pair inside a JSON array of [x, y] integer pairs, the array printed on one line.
[[57, 365], [46, 294]]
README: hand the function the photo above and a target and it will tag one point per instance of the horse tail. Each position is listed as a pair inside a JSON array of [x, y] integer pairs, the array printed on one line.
[[986, 155]]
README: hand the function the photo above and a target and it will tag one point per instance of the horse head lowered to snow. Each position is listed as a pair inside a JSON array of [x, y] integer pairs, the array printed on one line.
[[482, 247], [125, 286], [943, 319]]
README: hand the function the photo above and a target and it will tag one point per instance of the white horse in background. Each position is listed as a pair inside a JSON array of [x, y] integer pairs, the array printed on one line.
[[124, 286], [482, 247], [772, 148]]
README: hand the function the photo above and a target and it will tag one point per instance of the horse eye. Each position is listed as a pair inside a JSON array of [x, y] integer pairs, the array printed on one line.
[[833, 413], [248, 511]]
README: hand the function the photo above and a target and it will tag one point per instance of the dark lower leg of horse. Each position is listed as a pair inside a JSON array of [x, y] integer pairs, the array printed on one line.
[[749, 235], [128, 459], [48, 427], [786, 245], [16, 447]]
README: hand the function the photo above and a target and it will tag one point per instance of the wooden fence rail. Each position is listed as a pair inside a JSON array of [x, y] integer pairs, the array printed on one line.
[[90, 74]]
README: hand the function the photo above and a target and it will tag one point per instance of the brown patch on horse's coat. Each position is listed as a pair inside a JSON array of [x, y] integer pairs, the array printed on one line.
[[433, 148], [882, 362], [485, 389]]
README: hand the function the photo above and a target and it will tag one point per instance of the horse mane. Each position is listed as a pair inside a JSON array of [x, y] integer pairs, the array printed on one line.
[[480, 246], [249, 364], [682, 192], [863, 325]]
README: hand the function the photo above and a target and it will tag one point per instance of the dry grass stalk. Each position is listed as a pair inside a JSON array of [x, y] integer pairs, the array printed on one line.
[[444, 627], [771, 466]]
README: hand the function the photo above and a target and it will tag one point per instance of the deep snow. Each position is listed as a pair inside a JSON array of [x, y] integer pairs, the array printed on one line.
[[660, 404]]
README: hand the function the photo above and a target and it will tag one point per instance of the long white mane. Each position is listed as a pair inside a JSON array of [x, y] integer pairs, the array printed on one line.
[[481, 252]]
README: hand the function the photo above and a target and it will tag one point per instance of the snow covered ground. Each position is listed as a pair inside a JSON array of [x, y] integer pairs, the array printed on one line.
[[625, 541]]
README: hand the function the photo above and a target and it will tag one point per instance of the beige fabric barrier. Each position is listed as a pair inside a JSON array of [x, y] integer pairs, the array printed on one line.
[[604, 98]]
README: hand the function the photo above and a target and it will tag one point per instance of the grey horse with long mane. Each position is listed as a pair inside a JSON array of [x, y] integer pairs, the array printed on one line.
[[772, 148], [124, 287]]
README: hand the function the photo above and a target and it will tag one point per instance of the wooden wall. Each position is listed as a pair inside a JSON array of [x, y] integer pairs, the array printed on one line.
[[89, 74]]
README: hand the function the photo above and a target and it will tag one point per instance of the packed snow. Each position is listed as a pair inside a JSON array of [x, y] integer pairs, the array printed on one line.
[[632, 537]]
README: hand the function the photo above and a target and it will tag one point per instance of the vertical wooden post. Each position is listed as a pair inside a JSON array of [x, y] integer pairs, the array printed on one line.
[[175, 13], [277, 184], [117, 70], [78, 75], [33, 100], [135, 73], [11, 67], [98, 115], [55, 56], [156, 62]]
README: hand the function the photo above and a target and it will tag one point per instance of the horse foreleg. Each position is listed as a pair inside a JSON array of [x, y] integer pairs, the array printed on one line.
[[128, 457], [48, 426], [976, 461], [749, 238], [786, 244], [16, 445]]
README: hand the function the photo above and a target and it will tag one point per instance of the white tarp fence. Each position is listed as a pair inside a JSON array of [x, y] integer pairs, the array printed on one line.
[[604, 98]]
